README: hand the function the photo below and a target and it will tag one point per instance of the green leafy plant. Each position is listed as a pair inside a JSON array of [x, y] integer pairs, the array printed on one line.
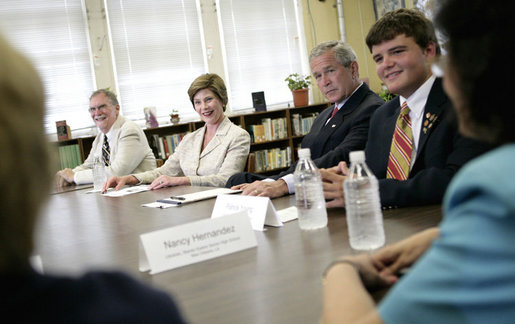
[[386, 95], [296, 81]]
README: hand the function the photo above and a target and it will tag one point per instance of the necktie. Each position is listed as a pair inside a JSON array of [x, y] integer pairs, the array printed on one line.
[[106, 152], [402, 146], [335, 110]]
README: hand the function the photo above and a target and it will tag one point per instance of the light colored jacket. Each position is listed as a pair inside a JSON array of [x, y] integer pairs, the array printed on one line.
[[225, 155], [129, 148]]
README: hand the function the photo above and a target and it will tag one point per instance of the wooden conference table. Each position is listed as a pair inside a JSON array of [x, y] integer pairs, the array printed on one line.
[[277, 282]]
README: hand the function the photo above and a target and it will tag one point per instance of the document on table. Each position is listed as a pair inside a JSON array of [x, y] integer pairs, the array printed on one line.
[[127, 191], [175, 201]]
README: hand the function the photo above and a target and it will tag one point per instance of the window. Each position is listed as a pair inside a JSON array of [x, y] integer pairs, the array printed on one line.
[[158, 52], [158, 48], [53, 34], [263, 45]]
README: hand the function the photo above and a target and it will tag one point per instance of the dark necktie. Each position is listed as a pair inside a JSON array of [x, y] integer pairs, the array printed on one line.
[[106, 152], [402, 147]]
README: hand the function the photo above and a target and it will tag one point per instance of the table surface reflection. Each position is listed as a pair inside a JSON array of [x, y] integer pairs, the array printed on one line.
[[277, 282]]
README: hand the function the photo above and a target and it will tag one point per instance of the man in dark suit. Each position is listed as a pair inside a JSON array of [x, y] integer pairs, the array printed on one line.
[[337, 131], [403, 45]]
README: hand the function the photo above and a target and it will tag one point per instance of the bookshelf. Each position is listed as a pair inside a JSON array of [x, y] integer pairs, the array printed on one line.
[[275, 137], [72, 152]]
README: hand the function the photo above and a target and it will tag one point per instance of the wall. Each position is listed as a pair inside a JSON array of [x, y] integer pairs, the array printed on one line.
[[320, 20], [359, 16]]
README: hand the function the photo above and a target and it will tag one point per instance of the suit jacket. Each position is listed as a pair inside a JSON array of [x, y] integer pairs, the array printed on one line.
[[129, 148], [225, 155], [441, 152], [329, 144]]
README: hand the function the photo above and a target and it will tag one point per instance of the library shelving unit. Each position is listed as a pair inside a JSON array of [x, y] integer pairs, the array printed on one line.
[[73, 152], [275, 136]]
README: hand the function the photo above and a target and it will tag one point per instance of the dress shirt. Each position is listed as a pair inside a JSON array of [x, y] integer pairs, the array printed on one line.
[[417, 103]]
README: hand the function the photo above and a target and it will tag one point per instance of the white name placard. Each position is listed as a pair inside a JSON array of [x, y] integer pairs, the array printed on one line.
[[261, 210], [195, 242]]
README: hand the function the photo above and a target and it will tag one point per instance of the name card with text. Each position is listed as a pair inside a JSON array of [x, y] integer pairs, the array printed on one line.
[[195, 242], [261, 210]]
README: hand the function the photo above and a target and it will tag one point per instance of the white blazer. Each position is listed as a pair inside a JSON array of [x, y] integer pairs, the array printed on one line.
[[130, 152], [225, 155]]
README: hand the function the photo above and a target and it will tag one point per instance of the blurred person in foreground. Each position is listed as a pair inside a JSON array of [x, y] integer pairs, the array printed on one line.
[[121, 144], [28, 296], [206, 157], [462, 271]]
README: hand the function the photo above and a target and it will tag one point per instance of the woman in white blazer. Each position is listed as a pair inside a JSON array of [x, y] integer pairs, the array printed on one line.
[[206, 157]]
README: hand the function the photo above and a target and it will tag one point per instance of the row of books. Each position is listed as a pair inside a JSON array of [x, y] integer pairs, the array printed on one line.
[[269, 130], [268, 160], [302, 124], [69, 156], [164, 146]]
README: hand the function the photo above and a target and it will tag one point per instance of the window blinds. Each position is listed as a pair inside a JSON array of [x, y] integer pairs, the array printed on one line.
[[53, 34], [157, 47], [262, 47]]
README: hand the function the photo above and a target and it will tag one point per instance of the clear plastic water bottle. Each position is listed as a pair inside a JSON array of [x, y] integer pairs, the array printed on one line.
[[99, 176], [309, 193], [363, 206]]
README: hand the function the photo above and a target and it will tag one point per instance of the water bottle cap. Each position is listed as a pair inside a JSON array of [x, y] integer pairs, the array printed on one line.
[[304, 153], [357, 157]]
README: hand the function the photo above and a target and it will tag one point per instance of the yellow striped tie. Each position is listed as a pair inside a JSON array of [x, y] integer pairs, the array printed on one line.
[[402, 146]]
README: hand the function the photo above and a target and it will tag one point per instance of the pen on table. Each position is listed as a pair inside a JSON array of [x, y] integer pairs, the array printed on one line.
[[168, 201], [177, 198]]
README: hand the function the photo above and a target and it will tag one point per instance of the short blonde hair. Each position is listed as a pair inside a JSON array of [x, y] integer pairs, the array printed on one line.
[[212, 82], [24, 166]]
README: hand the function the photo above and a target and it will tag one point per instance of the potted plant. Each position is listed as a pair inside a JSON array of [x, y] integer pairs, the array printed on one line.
[[174, 116], [298, 85]]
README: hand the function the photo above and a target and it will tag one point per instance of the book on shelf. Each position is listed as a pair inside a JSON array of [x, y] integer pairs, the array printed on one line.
[[258, 101], [69, 156], [251, 162], [163, 147], [295, 120], [269, 130], [270, 159], [63, 130], [154, 145], [306, 122], [258, 133]]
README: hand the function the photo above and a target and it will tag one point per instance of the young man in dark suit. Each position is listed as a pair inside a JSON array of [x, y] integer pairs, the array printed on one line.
[[337, 131], [403, 45]]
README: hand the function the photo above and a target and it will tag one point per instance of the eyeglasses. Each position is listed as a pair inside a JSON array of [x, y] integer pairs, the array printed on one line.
[[101, 108], [439, 65]]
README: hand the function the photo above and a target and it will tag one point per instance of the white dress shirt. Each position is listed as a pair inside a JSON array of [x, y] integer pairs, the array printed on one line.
[[417, 103]]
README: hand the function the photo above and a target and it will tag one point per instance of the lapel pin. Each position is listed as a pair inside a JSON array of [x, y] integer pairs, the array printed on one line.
[[428, 123]]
